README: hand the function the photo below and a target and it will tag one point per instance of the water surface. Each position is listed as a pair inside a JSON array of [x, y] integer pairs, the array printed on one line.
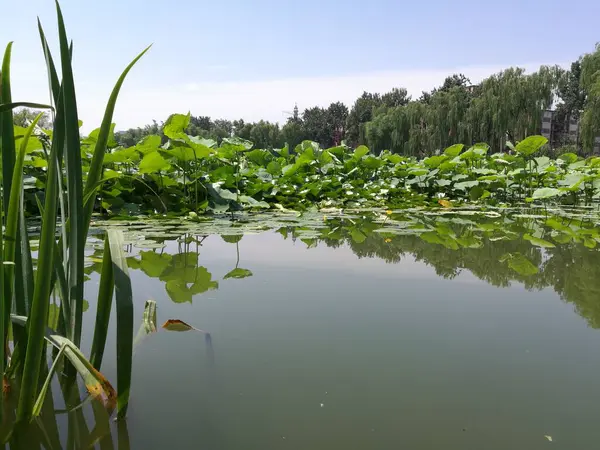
[[362, 333]]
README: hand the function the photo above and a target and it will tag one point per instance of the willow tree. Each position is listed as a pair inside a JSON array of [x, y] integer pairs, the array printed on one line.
[[590, 82], [447, 111], [402, 130], [508, 104]]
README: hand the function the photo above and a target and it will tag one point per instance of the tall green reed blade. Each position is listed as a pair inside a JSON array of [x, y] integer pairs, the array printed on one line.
[[124, 302], [4, 107], [53, 82], [59, 279], [26, 261], [47, 423], [3, 331], [11, 233], [8, 134], [73, 164], [41, 296], [54, 87], [105, 296], [7, 146], [95, 171]]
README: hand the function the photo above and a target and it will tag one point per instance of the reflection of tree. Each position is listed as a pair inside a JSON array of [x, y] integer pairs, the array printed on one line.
[[483, 262], [571, 269], [537, 252]]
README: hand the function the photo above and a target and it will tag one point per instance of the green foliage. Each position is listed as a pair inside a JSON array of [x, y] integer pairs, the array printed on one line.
[[190, 174], [590, 82], [530, 145], [46, 177]]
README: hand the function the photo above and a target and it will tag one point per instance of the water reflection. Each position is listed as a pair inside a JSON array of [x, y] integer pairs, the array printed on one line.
[[266, 361], [183, 276], [537, 250], [545, 252]]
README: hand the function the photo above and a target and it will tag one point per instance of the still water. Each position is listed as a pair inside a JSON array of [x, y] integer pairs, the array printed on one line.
[[366, 339]]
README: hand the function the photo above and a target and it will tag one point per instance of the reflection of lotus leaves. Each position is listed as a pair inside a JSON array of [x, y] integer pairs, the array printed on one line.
[[538, 248], [238, 273], [180, 292]]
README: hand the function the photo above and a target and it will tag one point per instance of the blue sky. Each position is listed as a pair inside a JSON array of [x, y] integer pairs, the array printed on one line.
[[254, 59]]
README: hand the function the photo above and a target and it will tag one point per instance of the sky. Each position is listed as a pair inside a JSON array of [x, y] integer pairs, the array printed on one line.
[[255, 59]]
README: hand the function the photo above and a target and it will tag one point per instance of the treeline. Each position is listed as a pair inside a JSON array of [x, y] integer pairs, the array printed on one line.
[[506, 106]]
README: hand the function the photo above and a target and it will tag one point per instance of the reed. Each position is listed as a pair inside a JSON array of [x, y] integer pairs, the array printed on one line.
[[70, 195]]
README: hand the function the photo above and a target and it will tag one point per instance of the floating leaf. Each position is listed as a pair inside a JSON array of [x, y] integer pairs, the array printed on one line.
[[180, 326]]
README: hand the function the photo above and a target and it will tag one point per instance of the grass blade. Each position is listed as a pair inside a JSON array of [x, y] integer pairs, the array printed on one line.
[[3, 327], [124, 302], [37, 408], [95, 171], [11, 233], [8, 134], [59, 273], [7, 146], [123, 442], [41, 296], [73, 164], [105, 296], [25, 268], [48, 425], [53, 83], [7, 107], [96, 383]]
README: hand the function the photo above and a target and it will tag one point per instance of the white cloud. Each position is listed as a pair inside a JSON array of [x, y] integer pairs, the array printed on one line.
[[250, 100]]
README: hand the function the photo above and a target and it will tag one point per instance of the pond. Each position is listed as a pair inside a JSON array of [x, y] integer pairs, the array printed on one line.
[[459, 329]]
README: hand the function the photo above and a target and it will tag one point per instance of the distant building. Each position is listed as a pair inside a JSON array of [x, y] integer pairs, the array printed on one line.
[[551, 132], [547, 122]]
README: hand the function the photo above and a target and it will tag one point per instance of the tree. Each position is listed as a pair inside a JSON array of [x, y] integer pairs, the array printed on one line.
[[202, 122], [314, 122], [336, 116], [570, 106], [360, 114], [455, 80], [293, 133], [509, 103], [24, 116], [396, 97], [590, 83], [221, 129], [265, 135]]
